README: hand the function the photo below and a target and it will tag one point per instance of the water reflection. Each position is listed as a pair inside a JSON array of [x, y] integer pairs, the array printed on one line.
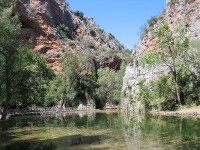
[[90, 130], [31, 145], [159, 132]]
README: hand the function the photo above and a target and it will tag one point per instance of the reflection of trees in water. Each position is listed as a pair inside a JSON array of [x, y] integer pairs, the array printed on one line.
[[158, 132], [31, 145], [140, 131], [89, 119], [132, 131], [62, 142], [88, 114], [99, 121]]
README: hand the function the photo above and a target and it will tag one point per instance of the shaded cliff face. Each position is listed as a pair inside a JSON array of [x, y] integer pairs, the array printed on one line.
[[53, 28], [186, 12]]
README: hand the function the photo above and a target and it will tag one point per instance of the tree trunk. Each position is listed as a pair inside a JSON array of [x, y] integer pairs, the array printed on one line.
[[178, 93], [64, 97], [63, 101], [5, 107], [4, 113], [106, 98], [177, 88], [8, 89]]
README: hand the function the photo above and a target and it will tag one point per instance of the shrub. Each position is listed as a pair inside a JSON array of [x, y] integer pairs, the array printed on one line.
[[89, 44], [72, 44], [195, 44], [92, 32], [143, 30], [152, 21], [65, 32], [169, 104], [173, 2], [158, 94], [79, 14], [112, 36]]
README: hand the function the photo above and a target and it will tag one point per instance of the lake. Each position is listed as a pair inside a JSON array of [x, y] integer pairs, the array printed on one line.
[[100, 130]]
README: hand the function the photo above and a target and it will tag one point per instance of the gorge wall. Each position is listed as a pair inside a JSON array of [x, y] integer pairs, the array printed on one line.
[[186, 12], [53, 28]]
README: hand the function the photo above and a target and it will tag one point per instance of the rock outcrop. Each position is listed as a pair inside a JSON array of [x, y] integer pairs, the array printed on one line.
[[184, 11], [53, 28]]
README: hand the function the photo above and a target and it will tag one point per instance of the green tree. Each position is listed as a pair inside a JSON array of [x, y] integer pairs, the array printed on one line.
[[76, 83], [172, 52], [195, 54], [158, 94], [24, 74], [32, 77], [55, 90], [9, 29], [192, 77], [110, 84], [175, 46]]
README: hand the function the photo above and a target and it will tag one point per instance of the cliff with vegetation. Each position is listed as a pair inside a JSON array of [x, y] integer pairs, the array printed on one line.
[[53, 28], [52, 56], [142, 81]]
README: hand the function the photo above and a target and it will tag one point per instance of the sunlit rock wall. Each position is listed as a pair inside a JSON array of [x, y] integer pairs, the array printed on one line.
[[48, 25], [186, 12]]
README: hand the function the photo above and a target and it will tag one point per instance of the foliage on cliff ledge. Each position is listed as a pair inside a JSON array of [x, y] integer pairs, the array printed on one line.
[[182, 81]]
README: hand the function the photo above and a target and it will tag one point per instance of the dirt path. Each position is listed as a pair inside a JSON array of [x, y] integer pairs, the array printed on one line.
[[192, 111]]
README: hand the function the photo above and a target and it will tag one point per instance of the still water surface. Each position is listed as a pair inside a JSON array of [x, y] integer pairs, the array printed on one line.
[[101, 131]]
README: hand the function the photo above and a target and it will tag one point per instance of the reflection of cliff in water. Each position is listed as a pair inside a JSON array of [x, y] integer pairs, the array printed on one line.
[[103, 131], [160, 133], [78, 119], [89, 114], [134, 135]]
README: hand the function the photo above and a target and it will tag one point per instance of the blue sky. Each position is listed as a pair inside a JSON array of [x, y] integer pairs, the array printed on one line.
[[122, 18]]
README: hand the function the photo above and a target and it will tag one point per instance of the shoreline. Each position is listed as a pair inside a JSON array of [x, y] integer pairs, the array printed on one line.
[[193, 111]]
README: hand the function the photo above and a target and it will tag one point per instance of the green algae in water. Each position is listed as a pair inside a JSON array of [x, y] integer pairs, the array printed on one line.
[[100, 131]]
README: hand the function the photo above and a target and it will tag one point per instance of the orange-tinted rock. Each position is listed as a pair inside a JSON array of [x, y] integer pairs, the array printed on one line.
[[50, 25], [39, 21]]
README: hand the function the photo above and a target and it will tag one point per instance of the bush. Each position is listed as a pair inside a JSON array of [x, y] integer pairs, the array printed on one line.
[[112, 36], [173, 2], [143, 30], [153, 21], [92, 32], [169, 104], [158, 94], [195, 44], [72, 44], [79, 14], [65, 32], [89, 44]]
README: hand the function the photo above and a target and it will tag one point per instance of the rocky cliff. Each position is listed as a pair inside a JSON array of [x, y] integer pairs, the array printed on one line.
[[53, 28], [185, 11]]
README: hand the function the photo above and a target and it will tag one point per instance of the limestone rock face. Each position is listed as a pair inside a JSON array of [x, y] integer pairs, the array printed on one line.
[[53, 28], [186, 12], [44, 15]]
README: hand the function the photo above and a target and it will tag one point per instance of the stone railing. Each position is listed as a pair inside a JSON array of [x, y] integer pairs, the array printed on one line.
[[38, 111]]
